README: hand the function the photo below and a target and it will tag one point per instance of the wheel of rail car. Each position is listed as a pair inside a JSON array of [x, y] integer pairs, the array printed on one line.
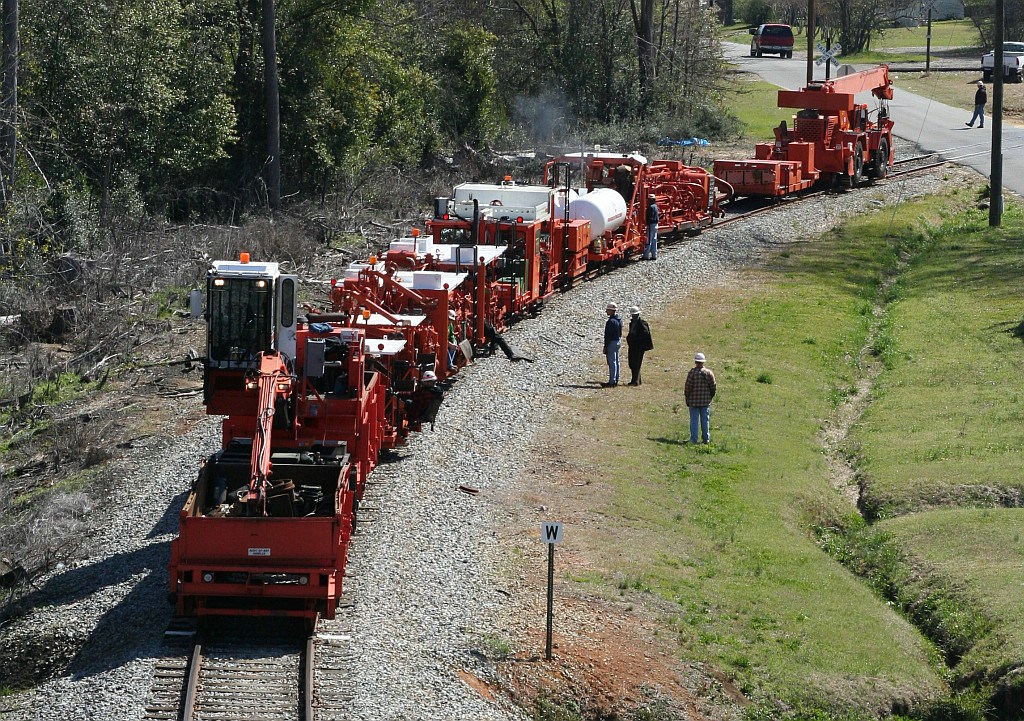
[[882, 160]]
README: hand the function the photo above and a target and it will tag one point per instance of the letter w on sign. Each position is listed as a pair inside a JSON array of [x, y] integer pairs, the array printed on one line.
[[551, 533]]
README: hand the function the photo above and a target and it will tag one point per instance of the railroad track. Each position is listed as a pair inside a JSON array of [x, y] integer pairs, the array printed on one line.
[[236, 679], [229, 674], [900, 168]]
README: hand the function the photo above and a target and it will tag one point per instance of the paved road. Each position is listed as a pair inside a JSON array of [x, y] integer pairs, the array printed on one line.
[[933, 126]]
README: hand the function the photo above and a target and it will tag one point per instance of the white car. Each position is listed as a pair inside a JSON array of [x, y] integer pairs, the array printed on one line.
[[1013, 62]]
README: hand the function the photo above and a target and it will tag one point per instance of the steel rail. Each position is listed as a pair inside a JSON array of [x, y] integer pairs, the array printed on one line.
[[188, 706], [308, 667]]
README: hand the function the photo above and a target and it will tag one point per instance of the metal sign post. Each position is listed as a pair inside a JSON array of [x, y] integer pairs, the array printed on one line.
[[551, 534], [929, 6]]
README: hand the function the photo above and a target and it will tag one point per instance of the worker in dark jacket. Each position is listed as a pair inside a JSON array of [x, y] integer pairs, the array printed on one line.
[[651, 249], [612, 343], [639, 340], [980, 98], [700, 389]]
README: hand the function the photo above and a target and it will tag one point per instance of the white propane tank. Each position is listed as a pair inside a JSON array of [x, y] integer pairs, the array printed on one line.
[[560, 201], [604, 208]]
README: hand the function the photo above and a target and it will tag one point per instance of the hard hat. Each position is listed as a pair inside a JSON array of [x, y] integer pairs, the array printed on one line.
[[451, 314], [611, 306], [981, 84], [699, 358], [634, 310], [428, 376]]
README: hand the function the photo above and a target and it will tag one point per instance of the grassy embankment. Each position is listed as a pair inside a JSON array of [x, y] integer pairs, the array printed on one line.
[[941, 451], [726, 533]]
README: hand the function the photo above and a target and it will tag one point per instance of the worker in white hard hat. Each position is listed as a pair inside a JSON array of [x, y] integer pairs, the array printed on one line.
[[612, 343], [639, 341], [700, 390], [980, 98]]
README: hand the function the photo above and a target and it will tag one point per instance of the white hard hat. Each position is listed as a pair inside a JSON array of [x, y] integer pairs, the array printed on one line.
[[634, 310], [699, 358], [428, 376], [981, 84], [611, 306], [451, 314]]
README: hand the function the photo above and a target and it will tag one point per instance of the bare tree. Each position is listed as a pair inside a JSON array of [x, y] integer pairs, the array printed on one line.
[[272, 106], [643, 22], [8, 145]]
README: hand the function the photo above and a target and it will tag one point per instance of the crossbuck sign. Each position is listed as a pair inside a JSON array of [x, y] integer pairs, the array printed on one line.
[[828, 55]]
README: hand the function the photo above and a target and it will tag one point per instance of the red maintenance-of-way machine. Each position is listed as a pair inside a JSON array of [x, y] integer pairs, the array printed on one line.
[[833, 140], [310, 399]]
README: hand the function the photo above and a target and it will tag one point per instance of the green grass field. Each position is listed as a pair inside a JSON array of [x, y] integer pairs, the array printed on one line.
[[945, 34], [729, 534], [755, 103]]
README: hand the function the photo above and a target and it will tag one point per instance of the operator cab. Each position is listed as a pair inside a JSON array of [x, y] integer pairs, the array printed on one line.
[[251, 308]]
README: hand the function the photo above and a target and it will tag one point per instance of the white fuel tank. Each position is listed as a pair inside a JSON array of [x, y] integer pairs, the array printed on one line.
[[560, 201], [604, 208]]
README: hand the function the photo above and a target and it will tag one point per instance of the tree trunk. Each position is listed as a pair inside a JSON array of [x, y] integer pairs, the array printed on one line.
[[272, 108], [8, 145], [643, 22]]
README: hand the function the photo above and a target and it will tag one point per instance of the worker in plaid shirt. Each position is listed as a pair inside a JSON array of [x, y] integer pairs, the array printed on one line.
[[700, 389]]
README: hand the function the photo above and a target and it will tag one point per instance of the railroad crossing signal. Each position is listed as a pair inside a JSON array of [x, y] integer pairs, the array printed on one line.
[[828, 55]]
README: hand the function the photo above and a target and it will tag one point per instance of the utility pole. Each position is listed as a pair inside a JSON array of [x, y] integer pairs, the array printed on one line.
[[995, 199], [810, 41]]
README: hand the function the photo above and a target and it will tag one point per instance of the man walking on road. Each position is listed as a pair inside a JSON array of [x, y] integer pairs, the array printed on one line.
[[980, 98], [639, 341], [612, 343], [700, 389]]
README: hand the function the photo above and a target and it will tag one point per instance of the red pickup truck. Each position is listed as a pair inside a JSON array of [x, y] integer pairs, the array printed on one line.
[[771, 38]]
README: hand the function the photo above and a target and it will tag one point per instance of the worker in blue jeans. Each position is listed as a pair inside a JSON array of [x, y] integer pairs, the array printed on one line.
[[651, 218], [612, 344], [700, 390]]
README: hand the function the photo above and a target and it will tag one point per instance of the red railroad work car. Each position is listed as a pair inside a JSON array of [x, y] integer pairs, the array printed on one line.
[[833, 139]]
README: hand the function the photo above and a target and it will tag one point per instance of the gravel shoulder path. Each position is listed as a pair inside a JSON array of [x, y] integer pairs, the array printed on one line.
[[428, 575]]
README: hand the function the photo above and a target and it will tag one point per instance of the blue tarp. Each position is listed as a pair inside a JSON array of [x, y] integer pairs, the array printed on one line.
[[685, 142]]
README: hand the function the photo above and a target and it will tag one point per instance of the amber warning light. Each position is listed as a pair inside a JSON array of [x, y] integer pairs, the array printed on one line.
[[243, 257]]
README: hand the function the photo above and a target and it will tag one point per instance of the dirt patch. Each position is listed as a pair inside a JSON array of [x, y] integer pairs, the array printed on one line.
[[608, 661]]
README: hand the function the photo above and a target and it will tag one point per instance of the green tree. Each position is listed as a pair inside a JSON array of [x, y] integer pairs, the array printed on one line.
[[981, 13], [122, 88], [465, 64]]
